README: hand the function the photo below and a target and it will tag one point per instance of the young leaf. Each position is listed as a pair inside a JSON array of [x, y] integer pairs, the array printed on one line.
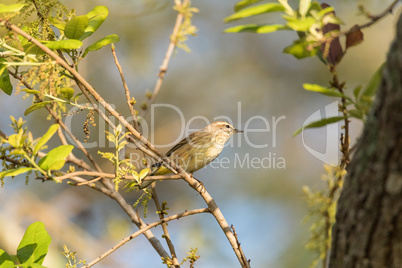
[[5, 260], [67, 92], [255, 10], [323, 90], [244, 3], [96, 17], [15, 140], [36, 106], [254, 28], [32, 49], [50, 132], [319, 123], [304, 6], [373, 84], [5, 83], [14, 172], [75, 28], [10, 8], [64, 44], [299, 50], [55, 159], [59, 24], [300, 24], [356, 92], [288, 9], [356, 114], [113, 38], [144, 173], [34, 245], [31, 91]]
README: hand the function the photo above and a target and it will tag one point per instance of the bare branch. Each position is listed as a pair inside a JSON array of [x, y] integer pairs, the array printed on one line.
[[378, 17], [164, 226], [149, 226], [112, 175], [126, 90], [163, 68]]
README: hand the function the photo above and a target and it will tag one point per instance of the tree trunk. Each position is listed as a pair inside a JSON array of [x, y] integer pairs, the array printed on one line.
[[368, 228]]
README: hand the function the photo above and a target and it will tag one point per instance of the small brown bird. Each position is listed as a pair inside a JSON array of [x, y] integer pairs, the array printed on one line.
[[197, 149]]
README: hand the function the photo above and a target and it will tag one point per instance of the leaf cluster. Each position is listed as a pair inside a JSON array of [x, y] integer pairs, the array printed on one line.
[[32, 249], [23, 149]]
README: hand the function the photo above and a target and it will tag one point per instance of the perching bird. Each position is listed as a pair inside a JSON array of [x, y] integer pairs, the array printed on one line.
[[197, 150]]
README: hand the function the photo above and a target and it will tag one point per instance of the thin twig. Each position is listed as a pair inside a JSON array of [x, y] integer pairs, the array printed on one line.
[[88, 182], [164, 226], [149, 226], [378, 17], [238, 242], [164, 67], [126, 90], [112, 175]]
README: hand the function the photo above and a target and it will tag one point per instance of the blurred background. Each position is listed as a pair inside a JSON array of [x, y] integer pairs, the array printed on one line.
[[244, 77]]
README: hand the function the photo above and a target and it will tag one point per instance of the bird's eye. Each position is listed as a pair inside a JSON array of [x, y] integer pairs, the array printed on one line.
[[227, 126]]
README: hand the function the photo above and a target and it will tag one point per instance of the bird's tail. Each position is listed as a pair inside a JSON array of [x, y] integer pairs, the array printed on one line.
[[157, 169]]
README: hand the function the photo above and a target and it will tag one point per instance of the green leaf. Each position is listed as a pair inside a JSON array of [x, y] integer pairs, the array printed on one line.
[[244, 3], [50, 132], [288, 9], [5, 260], [300, 49], [32, 49], [5, 83], [36, 106], [76, 97], [255, 28], [75, 28], [10, 8], [96, 17], [323, 90], [319, 123], [255, 10], [15, 140], [34, 245], [31, 91], [67, 92], [356, 92], [113, 38], [14, 172], [300, 24], [356, 114], [373, 84], [59, 24], [64, 44], [55, 159], [144, 173], [304, 6]]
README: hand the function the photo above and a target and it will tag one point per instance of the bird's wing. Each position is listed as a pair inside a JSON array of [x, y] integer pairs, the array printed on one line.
[[180, 144]]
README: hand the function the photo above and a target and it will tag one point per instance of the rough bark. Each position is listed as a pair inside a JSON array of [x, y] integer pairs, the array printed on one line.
[[368, 228]]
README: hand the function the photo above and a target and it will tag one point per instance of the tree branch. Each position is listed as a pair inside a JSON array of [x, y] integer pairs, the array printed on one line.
[[149, 226], [163, 68], [164, 226], [126, 90]]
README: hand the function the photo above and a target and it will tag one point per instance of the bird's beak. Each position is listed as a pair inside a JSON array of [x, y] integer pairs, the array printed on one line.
[[238, 131]]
